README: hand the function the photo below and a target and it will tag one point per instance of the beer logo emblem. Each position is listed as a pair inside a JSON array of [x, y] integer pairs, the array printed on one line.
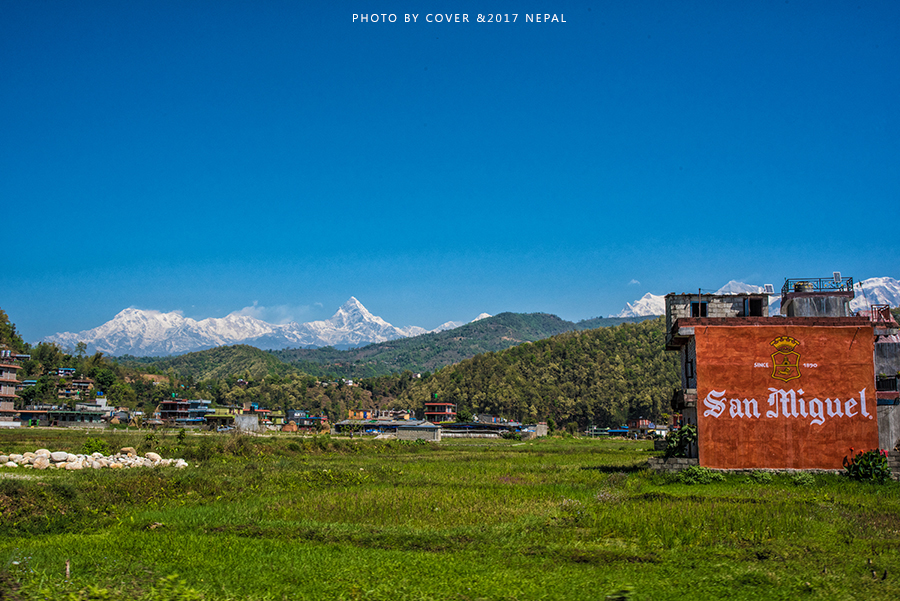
[[785, 361]]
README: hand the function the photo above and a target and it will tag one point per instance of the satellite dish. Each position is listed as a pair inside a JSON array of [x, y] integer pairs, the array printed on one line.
[[837, 277], [770, 289]]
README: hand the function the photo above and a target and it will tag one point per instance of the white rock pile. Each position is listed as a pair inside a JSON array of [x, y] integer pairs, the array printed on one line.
[[126, 458]]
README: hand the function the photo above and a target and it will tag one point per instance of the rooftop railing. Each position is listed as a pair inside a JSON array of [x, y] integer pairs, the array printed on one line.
[[817, 285]]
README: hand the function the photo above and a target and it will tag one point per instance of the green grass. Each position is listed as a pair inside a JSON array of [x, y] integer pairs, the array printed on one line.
[[291, 518]]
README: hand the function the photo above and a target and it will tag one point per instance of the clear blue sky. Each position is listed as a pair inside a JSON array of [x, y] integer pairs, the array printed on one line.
[[205, 156]]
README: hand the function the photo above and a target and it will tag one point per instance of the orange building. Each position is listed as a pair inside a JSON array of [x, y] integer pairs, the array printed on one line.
[[789, 391]]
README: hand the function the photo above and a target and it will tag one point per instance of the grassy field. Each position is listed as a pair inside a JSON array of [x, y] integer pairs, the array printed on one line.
[[291, 518]]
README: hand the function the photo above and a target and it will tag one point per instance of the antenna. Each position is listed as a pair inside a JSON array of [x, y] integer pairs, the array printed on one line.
[[769, 289]]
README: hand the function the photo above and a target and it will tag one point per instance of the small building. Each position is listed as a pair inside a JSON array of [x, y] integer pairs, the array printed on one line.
[[306, 422], [198, 409], [68, 418], [794, 391], [173, 410], [99, 405], [417, 430], [247, 422], [221, 417]]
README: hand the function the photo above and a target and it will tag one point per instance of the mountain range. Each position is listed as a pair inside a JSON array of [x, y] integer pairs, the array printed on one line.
[[153, 333]]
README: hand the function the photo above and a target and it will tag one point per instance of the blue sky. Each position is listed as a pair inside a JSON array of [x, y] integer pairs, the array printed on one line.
[[206, 156]]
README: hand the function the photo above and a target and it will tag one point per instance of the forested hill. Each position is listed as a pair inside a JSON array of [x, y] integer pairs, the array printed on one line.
[[218, 363], [600, 376], [429, 352]]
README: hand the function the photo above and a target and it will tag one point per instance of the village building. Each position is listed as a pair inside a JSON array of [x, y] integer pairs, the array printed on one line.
[[416, 430], [790, 391], [439, 411], [9, 365], [174, 410]]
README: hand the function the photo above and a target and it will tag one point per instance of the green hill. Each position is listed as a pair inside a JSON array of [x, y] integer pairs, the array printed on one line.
[[220, 363], [428, 351], [600, 376]]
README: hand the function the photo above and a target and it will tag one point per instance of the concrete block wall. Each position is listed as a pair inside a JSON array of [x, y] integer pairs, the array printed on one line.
[[894, 464], [672, 464], [676, 464], [888, 426]]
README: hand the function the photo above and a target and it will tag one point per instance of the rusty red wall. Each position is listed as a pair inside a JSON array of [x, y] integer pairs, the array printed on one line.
[[784, 396]]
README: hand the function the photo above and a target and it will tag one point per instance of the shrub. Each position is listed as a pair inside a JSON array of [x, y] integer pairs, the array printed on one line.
[[869, 466], [95, 445], [760, 477], [803, 479], [681, 440], [696, 474]]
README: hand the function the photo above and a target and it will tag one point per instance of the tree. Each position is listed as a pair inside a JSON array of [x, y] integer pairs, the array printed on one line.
[[8, 335]]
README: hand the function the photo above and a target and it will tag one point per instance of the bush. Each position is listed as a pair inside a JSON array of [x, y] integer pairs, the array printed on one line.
[[699, 475], [760, 477], [95, 445], [681, 440], [803, 479], [869, 466]]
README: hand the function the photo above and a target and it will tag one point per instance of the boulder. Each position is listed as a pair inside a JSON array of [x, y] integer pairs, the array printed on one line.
[[42, 453], [58, 456], [41, 462], [75, 465], [128, 451], [153, 457]]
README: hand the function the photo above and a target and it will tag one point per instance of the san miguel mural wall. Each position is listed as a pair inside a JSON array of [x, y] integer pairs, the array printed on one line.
[[784, 396], [793, 391]]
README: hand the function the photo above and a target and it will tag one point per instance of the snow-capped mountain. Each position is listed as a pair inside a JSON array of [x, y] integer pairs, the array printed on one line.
[[735, 287], [873, 291], [649, 304], [139, 332]]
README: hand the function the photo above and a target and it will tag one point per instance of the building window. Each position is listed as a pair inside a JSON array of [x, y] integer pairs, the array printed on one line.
[[698, 309], [886, 383], [753, 307]]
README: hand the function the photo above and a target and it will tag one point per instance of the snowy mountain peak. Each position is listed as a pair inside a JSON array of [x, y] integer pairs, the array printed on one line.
[[353, 306], [649, 304], [735, 287]]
